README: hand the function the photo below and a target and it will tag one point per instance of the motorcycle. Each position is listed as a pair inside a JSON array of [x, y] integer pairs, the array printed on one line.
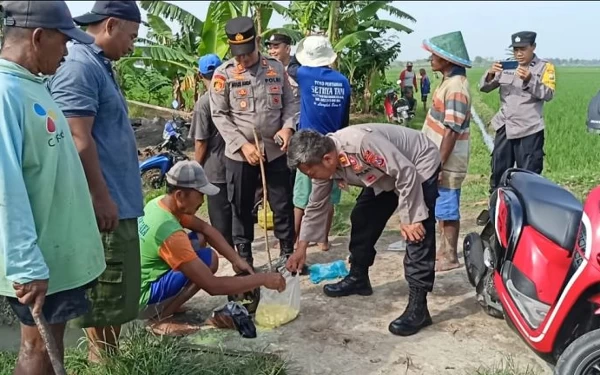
[[536, 264], [397, 108], [154, 169]]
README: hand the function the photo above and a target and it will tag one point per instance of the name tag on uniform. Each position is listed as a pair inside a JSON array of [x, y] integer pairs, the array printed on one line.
[[240, 83]]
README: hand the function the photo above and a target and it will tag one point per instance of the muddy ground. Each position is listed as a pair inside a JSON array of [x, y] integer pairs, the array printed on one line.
[[349, 335]]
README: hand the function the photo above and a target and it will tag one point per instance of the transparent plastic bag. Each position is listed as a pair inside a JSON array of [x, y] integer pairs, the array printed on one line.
[[276, 309]]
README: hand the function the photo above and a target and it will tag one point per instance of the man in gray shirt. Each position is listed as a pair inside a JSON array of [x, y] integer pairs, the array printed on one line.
[[86, 91], [520, 124], [210, 151]]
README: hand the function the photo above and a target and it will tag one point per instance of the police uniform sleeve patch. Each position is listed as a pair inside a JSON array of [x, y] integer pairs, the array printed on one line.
[[218, 82], [343, 158], [549, 76], [374, 159]]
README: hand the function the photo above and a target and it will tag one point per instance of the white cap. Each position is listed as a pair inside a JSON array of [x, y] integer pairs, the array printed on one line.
[[315, 51]]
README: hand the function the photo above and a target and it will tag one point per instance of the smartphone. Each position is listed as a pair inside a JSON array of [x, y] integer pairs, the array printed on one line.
[[509, 64], [279, 140]]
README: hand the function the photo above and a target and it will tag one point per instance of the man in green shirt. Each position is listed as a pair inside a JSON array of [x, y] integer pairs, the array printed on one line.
[[173, 270]]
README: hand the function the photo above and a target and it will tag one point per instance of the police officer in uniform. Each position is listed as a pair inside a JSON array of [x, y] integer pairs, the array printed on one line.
[[398, 168], [519, 124], [280, 46], [251, 92]]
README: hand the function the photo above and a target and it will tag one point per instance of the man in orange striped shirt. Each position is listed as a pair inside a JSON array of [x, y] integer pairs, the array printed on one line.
[[447, 125]]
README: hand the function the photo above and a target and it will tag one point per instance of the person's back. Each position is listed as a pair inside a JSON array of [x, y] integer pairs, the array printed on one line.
[[324, 99]]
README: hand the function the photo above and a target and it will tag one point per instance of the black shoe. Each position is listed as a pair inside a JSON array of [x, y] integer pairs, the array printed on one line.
[[355, 283], [415, 317]]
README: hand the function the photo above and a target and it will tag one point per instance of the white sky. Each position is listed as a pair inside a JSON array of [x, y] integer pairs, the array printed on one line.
[[566, 29]]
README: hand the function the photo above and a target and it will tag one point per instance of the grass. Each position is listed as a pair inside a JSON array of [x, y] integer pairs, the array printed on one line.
[[143, 353], [506, 367], [572, 153]]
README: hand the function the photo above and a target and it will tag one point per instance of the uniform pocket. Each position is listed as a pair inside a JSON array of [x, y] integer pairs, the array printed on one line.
[[243, 99], [274, 96]]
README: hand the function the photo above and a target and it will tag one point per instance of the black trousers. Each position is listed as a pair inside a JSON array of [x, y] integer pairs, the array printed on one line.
[[526, 152], [242, 182], [369, 218], [219, 212]]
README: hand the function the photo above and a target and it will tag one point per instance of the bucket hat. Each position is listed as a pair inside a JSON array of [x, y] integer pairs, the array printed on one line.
[[315, 51], [450, 47]]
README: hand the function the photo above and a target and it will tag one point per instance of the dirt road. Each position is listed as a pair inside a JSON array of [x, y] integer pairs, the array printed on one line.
[[349, 335]]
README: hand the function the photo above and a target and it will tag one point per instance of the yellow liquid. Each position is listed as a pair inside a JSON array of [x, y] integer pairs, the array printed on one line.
[[272, 316]]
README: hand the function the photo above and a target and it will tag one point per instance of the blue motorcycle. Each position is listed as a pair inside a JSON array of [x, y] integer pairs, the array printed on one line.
[[163, 156]]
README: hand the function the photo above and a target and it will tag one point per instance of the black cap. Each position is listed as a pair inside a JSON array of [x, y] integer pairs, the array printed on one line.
[[43, 14], [241, 35], [124, 10], [278, 39], [523, 39]]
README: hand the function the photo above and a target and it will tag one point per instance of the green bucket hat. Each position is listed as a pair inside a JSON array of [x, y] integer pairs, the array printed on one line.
[[449, 47]]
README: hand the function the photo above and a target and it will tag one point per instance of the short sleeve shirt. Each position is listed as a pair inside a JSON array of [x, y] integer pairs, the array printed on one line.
[[85, 86], [204, 129]]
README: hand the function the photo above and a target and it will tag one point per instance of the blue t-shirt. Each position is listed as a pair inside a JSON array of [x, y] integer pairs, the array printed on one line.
[[324, 99], [85, 86], [425, 85]]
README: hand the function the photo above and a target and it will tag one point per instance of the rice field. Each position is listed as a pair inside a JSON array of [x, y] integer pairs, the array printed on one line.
[[572, 154]]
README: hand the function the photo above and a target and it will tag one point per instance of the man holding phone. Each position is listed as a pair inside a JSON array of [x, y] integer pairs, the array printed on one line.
[[525, 84]]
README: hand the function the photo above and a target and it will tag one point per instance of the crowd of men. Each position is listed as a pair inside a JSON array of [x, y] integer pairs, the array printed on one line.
[[78, 243]]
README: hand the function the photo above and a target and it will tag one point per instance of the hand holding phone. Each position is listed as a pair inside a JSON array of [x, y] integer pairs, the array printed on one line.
[[509, 64]]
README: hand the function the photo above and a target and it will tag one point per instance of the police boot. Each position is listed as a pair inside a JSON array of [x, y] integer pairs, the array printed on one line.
[[245, 252], [416, 315], [357, 282]]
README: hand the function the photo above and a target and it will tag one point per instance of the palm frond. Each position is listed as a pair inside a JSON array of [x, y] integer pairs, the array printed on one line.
[[398, 13], [385, 24], [173, 13]]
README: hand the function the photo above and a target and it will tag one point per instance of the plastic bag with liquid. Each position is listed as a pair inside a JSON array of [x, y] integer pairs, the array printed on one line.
[[276, 309]]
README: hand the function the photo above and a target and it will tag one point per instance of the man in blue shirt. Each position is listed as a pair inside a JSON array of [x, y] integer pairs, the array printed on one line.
[[86, 91], [324, 107]]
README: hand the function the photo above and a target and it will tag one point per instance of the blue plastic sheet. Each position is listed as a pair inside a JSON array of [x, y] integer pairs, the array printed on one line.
[[328, 271]]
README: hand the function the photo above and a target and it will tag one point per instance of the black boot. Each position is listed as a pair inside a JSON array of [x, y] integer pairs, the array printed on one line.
[[415, 317], [245, 252], [357, 282]]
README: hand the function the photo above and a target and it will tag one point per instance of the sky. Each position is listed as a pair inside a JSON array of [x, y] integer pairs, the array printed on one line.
[[486, 25]]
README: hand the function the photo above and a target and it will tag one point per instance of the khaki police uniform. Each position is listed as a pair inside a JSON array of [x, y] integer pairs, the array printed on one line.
[[397, 168], [519, 123], [257, 98]]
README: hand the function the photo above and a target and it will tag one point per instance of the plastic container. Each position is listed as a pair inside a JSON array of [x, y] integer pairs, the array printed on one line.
[[261, 216]]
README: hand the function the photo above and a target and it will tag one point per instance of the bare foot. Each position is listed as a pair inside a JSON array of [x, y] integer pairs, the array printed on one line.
[[324, 246], [171, 327], [443, 264]]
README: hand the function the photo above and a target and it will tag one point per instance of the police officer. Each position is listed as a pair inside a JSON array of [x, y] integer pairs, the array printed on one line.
[[280, 47], [519, 124], [250, 92], [397, 167]]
